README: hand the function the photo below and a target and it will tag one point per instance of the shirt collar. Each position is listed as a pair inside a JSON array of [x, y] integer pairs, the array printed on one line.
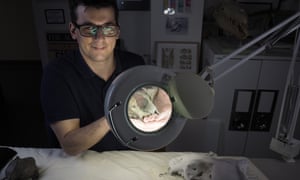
[[87, 72]]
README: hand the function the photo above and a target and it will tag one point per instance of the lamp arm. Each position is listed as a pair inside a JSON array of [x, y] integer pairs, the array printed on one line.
[[242, 61], [283, 143], [290, 81], [267, 44], [290, 134]]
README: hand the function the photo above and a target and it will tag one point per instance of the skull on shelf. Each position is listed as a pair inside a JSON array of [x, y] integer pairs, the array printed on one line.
[[231, 18]]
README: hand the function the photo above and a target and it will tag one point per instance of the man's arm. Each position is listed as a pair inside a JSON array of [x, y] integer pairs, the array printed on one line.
[[75, 139]]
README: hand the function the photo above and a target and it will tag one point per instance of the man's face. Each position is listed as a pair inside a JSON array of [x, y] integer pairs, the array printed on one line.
[[97, 48]]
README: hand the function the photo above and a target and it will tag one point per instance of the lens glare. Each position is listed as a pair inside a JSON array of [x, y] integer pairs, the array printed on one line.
[[109, 30], [90, 30]]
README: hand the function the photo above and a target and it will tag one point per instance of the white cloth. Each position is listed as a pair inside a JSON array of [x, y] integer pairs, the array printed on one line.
[[110, 165]]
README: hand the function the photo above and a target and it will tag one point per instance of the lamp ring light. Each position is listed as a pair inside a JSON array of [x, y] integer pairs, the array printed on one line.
[[147, 106]]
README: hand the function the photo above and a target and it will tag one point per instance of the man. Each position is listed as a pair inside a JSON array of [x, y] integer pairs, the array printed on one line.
[[74, 86]]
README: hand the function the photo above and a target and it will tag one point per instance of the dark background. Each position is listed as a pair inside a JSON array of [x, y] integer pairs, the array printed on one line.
[[21, 117]]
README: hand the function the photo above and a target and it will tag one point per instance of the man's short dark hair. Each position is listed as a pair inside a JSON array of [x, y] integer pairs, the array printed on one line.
[[73, 4]]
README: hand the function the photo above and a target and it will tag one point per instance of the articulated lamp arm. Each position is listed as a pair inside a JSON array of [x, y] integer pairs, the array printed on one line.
[[283, 143], [267, 39]]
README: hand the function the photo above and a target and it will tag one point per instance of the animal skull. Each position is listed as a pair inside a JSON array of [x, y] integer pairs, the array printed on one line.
[[192, 166], [141, 103], [232, 19]]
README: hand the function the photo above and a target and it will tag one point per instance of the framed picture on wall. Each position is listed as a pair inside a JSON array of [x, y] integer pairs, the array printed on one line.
[[55, 16], [134, 5], [177, 25], [177, 56]]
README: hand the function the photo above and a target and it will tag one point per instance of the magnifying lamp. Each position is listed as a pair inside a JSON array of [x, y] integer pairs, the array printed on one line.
[[147, 106]]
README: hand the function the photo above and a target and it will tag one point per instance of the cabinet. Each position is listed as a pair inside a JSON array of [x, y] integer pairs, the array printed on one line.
[[248, 99]]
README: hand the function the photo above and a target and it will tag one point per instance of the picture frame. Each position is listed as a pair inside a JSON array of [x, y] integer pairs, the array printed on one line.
[[133, 5], [55, 16], [177, 25], [177, 56]]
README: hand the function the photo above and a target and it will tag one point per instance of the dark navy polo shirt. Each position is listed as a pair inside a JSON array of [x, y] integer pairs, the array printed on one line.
[[70, 89]]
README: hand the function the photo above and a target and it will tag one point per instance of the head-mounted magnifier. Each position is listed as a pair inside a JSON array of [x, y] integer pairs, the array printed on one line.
[[147, 106]]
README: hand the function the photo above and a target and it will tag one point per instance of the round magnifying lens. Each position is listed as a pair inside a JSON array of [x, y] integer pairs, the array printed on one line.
[[149, 108]]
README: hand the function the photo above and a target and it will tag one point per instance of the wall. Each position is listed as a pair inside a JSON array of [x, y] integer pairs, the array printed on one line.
[[135, 31], [158, 24], [20, 74], [41, 26], [17, 32], [21, 117]]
